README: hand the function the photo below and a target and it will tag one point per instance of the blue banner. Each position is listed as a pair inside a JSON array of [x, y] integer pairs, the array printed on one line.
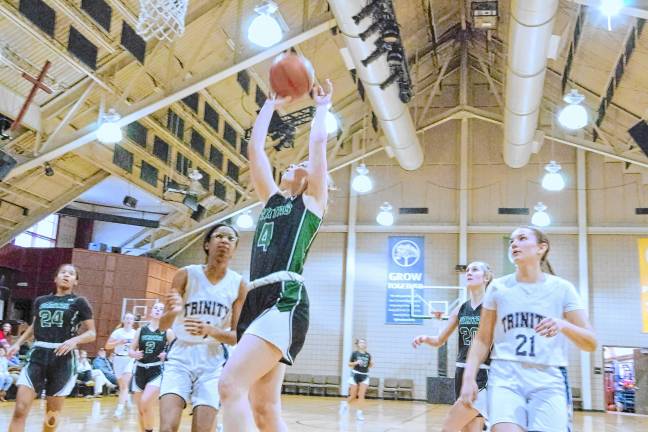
[[405, 273]]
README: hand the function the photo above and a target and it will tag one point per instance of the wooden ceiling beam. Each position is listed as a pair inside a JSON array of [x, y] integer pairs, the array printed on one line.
[[158, 101], [58, 203]]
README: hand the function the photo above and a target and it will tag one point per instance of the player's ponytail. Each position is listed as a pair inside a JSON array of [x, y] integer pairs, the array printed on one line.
[[488, 273], [541, 237]]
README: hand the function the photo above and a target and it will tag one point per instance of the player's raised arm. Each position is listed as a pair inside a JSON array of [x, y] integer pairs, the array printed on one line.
[[260, 169], [317, 164]]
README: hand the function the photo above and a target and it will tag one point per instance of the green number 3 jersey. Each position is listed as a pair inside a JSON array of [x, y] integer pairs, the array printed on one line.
[[285, 232]]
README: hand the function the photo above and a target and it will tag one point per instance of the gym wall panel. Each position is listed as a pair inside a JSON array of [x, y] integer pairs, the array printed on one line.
[[390, 345], [616, 317], [614, 194], [66, 231], [324, 273], [106, 279], [337, 210]]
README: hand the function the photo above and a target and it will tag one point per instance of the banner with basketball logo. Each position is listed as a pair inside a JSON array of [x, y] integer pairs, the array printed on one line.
[[405, 273], [643, 281]]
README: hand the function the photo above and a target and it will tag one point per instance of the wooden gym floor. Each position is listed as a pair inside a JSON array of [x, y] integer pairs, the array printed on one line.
[[306, 414]]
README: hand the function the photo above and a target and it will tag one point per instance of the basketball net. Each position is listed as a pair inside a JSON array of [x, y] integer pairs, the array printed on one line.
[[162, 19]]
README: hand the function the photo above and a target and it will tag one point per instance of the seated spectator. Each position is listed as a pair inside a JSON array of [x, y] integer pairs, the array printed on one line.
[[22, 327], [8, 332], [4, 343], [6, 380], [102, 363], [86, 375]]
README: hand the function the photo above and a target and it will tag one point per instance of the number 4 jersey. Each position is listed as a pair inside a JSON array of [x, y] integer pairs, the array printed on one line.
[[58, 317], [285, 231], [520, 307]]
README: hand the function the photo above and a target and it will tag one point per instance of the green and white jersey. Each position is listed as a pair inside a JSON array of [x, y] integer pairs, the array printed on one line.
[[58, 317], [285, 231], [151, 343]]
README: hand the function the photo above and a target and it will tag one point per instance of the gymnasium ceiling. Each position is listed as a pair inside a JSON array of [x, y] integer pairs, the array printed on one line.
[[58, 126]]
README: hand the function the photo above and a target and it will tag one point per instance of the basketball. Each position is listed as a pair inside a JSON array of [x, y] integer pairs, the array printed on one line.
[[291, 75]]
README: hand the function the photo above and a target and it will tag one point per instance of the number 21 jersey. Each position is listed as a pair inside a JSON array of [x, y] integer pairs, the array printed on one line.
[[520, 307], [58, 317]]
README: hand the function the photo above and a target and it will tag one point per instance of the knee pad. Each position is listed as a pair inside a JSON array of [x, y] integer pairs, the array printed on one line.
[[51, 418]]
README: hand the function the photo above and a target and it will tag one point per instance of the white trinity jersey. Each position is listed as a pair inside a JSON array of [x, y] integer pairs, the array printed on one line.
[[520, 307], [123, 334], [210, 303]]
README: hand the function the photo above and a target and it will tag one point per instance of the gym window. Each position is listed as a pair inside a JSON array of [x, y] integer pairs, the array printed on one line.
[[41, 235]]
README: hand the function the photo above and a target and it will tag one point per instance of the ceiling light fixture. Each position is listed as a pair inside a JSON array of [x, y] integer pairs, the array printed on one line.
[[362, 183], [553, 179], [244, 220], [540, 217], [574, 115], [264, 29], [385, 216], [109, 131]]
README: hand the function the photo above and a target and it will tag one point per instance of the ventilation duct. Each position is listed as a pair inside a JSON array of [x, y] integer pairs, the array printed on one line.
[[530, 30], [393, 115]]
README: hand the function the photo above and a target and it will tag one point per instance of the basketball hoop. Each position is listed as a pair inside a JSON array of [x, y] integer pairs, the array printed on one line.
[[437, 314], [162, 19]]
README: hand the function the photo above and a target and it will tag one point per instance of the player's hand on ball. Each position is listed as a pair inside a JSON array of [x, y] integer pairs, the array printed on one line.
[[174, 303], [420, 340], [66, 347], [549, 327], [196, 327], [469, 391], [321, 97], [275, 102]]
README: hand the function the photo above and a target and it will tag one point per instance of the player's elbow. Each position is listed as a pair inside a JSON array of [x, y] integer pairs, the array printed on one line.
[[229, 338], [590, 344]]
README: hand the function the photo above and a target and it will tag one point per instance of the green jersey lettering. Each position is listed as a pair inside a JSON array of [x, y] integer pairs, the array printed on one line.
[[49, 318], [265, 237], [149, 347]]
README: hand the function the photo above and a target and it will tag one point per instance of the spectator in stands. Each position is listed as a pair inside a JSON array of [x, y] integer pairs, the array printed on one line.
[[7, 330], [86, 374], [6, 380], [24, 348], [4, 343], [102, 363]]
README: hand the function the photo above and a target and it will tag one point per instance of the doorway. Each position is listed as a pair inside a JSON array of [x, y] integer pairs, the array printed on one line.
[[626, 379]]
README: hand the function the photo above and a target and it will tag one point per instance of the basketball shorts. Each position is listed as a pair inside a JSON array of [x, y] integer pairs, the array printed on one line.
[[358, 378], [47, 371], [123, 364], [146, 375], [278, 314], [481, 403], [191, 371], [535, 397]]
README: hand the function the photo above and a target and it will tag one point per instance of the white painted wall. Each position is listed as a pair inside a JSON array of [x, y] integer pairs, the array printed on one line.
[[113, 234]]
